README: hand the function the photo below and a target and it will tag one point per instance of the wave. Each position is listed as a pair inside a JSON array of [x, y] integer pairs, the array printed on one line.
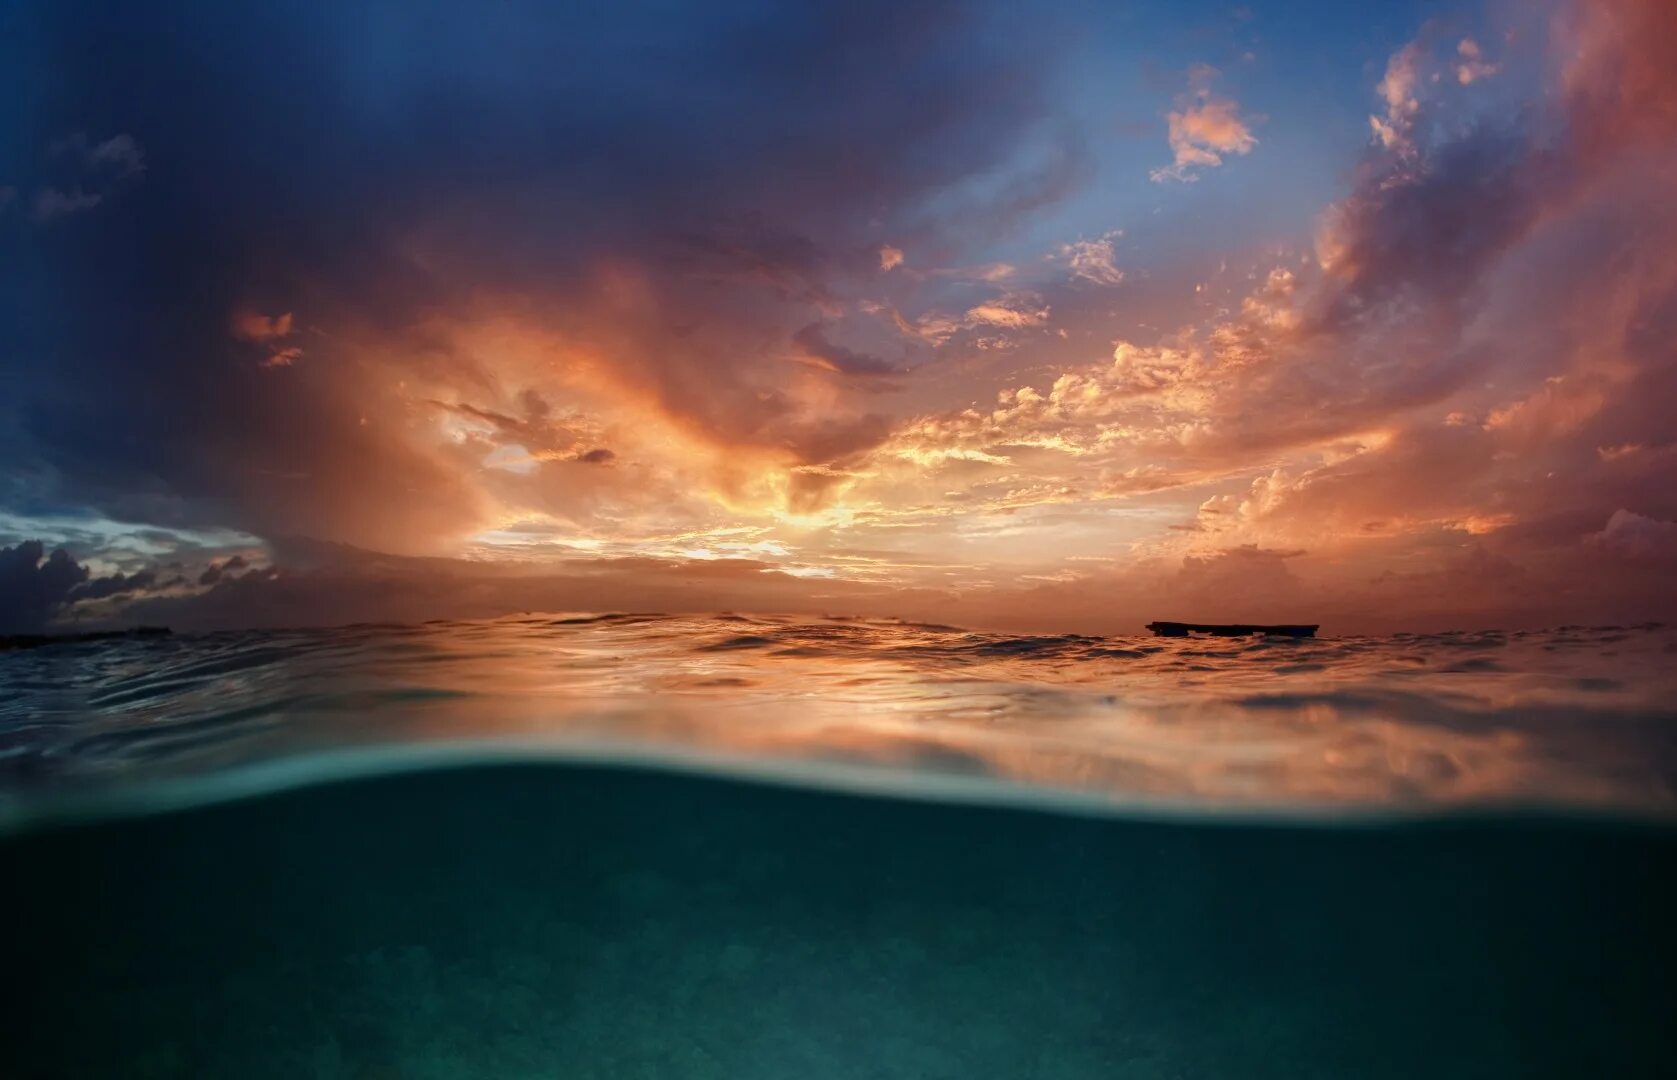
[[1570, 720]]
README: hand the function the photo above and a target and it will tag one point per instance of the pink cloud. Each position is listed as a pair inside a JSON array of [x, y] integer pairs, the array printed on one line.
[[254, 326], [1634, 536], [1203, 128]]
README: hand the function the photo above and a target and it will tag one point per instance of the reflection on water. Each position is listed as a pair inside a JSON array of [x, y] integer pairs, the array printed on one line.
[[1575, 718]]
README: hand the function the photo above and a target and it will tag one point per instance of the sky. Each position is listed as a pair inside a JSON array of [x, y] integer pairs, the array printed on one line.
[[1060, 318]]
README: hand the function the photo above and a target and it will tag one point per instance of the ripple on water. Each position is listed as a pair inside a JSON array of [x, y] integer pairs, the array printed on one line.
[[1410, 723]]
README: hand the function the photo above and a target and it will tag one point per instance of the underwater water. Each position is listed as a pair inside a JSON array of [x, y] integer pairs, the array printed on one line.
[[649, 846]]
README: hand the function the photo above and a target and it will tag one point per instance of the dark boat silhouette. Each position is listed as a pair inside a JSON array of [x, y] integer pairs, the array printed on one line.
[[1183, 629]]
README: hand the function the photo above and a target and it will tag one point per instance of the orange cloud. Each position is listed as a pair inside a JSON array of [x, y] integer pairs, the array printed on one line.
[[1397, 90], [1093, 261], [268, 331], [282, 357], [1472, 67], [1202, 128], [1455, 392], [249, 325], [1014, 311]]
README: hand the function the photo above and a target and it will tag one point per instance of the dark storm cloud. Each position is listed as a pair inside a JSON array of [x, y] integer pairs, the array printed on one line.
[[1427, 234], [115, 585], [813, 340], [370, 163], [34, 585], [216, 571]]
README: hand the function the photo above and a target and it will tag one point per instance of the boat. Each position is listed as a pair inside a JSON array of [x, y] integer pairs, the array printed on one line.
[[1183, 629]]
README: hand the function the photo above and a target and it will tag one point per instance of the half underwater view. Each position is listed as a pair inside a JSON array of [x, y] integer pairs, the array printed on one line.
[[923, 540], [684, 846]]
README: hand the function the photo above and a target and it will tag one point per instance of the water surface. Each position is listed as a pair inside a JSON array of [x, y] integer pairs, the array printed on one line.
[[542, 847], [1577, 719]]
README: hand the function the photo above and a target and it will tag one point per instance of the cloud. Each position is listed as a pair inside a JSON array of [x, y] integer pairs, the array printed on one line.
[[1093, 261], [1242, 581], [991, 272], [95, 172], [1630, 535], [1414, 71], [627, 262], [1618, 82], [119, 155], [104, 588], [36, 589], [1012, 311], [213, 573], [1464, 375], [812, 339], [1436, 395], [254, 326], [1397, 91], [991, 324], [51, 203], [1472, 66], [332, 584], [33, 585], [268, 331], [1203, 128], [282, 357]]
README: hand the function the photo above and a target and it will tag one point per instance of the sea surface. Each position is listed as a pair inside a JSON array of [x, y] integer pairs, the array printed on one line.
[[729, 846]]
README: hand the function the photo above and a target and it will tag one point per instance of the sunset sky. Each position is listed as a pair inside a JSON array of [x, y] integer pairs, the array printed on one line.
[[1051, 317]]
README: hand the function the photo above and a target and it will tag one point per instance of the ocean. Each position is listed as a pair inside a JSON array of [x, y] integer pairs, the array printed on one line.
[[729, 846]]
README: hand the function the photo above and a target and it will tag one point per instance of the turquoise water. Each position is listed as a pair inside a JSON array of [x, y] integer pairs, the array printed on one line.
[[649, 847]]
